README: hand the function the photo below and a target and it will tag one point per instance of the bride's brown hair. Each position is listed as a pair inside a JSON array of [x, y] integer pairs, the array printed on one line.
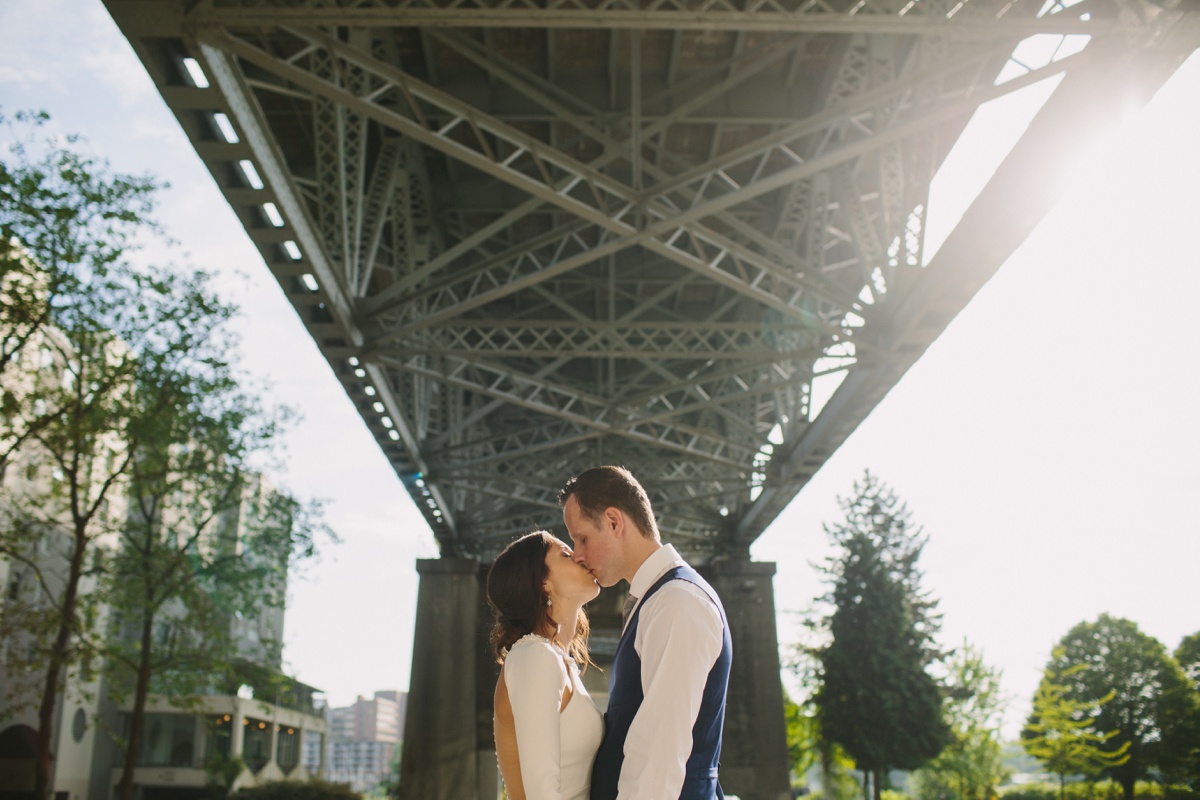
[[518, 601]]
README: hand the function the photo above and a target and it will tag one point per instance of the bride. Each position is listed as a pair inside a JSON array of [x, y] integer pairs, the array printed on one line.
[[547, 727]]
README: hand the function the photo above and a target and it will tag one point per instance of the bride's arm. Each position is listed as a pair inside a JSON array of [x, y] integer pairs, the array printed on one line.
[[534, 678]]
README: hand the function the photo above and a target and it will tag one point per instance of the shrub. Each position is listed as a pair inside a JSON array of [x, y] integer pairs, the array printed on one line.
[[1030, 791], [297, 790], [1103, 790]]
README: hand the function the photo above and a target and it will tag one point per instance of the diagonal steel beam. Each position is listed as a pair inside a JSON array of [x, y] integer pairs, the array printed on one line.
[[249, 120], [738, 69], [1124, 71], [561, 402], [557, 176]]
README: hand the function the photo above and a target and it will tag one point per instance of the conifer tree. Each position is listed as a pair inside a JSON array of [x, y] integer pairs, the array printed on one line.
[[876, 697]]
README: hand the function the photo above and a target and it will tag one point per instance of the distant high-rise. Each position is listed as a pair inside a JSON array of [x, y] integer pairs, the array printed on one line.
[[362, 740]]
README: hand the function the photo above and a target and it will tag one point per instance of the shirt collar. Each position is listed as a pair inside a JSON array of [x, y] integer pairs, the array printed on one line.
[[653, 568]]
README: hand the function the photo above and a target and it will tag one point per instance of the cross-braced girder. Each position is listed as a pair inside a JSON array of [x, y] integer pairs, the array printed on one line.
[[535, 236]]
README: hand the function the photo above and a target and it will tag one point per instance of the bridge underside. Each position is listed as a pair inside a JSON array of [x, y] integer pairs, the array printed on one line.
[[532, 237]]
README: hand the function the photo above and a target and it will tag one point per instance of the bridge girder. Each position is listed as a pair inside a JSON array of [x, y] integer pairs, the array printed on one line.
[[533, 237]]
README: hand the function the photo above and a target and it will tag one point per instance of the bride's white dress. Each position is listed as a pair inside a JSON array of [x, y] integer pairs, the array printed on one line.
[[555, 747]]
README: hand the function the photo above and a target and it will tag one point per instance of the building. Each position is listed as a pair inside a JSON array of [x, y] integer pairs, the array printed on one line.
[[362, 741], [253, 721], [35, 571]]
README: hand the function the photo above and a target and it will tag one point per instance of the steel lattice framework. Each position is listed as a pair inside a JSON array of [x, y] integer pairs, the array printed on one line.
[[531, 236]]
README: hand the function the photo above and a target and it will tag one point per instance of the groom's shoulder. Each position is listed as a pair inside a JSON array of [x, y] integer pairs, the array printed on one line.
[[683, 592]]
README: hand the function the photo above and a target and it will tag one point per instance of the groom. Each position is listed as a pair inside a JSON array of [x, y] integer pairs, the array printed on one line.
[[666, 703]]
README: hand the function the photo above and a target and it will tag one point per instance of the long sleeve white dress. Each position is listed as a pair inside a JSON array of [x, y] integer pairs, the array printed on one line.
[[555, 744]]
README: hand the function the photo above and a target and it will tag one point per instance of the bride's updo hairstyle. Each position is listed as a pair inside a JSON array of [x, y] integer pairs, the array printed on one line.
[[518, 601]]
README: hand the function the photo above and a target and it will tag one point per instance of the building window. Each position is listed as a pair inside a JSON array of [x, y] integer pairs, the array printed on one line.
[[79, 725], [256, 744], [287, 749], [314, 752], [168, 740], [218, 740]]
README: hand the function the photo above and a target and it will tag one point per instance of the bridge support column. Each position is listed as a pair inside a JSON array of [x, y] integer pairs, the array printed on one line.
[[754, 763], [449, 751]]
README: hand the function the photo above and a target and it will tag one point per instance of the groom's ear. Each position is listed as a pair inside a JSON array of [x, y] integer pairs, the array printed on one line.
[[614, 521]]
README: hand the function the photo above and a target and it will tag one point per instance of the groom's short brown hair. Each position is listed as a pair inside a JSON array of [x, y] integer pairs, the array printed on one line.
[[611, 487]]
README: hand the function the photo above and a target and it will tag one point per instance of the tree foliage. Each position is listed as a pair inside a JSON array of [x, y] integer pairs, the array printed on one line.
[[1188, 656], [66, 224], [297, 790], [78, 321], [972, 765], [1151, 700], [126, 441], [808, 747], [1187, 768], [875, 696], [1061, 732]]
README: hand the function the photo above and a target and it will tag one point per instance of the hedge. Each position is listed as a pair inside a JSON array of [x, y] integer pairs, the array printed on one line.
[[297, 790]]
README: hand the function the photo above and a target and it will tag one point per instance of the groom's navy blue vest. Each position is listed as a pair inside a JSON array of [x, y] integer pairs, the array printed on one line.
[[625, 697]]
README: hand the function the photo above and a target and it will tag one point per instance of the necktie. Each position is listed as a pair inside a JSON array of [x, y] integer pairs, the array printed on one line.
[[627, 609]]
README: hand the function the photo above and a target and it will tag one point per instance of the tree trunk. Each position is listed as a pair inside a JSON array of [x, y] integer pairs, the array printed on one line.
[[54, 673], [1127, 785], [137, 716], [877, 783], [866, 773]]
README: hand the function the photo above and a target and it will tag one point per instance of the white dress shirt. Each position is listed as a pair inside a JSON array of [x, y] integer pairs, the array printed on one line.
[[679, 638]]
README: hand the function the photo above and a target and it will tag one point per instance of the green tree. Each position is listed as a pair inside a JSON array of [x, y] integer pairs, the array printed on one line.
[[875, 695], [802, 737], [808, 747], [206, 543], [972, 765], [1187, 746], [201, 539], [1188, 656], [391, 784], [69, 394], [103, 362], [66, 221], [1061, 732], [1152, 697]]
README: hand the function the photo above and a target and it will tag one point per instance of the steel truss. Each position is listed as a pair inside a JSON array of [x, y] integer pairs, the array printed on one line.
[[535, 236]]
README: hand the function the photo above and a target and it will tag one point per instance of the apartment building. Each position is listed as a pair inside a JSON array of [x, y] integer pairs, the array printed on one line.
[[362, 741]]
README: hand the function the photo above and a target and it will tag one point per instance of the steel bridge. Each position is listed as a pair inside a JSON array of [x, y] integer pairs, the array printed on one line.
[[532, 236]]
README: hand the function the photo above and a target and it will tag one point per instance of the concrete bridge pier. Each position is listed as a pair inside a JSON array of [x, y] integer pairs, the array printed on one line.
[[449, 750], [754, 763]]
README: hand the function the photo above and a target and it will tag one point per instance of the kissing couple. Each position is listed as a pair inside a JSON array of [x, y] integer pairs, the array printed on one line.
[[660, 737]]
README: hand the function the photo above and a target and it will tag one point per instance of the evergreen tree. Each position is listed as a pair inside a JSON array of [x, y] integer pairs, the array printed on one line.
[[876, 697], [808, 746]]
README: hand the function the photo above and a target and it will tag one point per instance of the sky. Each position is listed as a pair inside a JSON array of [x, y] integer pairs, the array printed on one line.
[[1046, 442]]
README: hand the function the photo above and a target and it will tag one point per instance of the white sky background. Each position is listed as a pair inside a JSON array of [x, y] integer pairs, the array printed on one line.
[[1046, 442]]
